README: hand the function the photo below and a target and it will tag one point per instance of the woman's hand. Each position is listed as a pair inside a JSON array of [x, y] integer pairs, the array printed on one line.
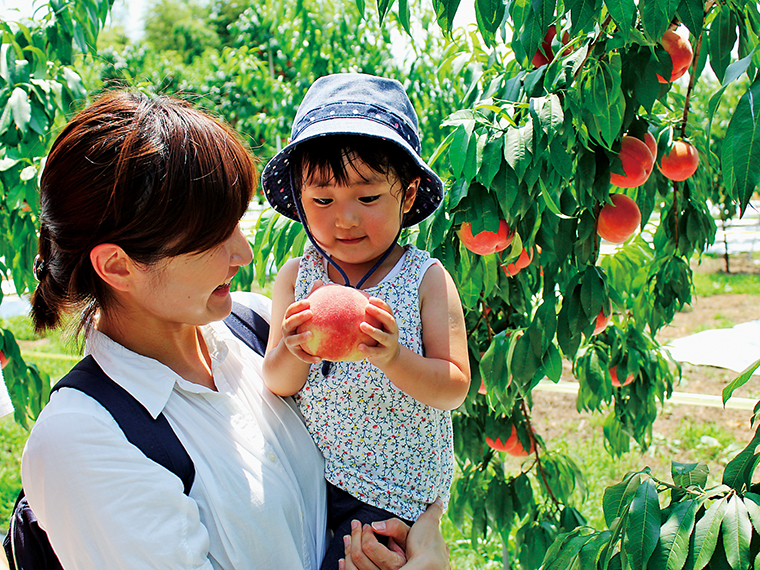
[[423, 543], [387, 350]]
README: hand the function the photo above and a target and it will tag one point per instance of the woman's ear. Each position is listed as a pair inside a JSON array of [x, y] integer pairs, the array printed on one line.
[[113, 265], [411, 193]]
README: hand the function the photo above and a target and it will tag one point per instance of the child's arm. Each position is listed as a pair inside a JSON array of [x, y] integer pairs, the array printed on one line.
[[286, 365], [441, 378]]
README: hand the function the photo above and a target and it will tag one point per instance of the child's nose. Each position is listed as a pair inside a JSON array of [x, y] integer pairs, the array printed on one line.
[[347, 217]]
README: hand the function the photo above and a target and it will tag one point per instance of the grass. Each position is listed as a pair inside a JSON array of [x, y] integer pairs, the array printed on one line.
[[711, 283]]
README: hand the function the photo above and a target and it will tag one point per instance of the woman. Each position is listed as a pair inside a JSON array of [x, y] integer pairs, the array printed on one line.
[[141, 199]]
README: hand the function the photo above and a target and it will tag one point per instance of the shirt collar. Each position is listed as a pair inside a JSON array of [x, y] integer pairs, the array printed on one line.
[[147, 380]]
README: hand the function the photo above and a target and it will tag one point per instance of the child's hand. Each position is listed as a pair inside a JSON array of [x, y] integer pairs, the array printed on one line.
[[295, 315], [387, 350]]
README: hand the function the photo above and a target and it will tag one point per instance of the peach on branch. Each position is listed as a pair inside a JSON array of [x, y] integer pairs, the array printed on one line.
[[680, 162], [619, 220], [545, 53], [3, 360], [337, 312], [614, 378], [512, 269], [637, 160], [486, 242], [676, 43], [602, 320], [512, 444]]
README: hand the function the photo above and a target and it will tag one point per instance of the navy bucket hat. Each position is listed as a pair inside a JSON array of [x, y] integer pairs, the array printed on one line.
[[353, 104]]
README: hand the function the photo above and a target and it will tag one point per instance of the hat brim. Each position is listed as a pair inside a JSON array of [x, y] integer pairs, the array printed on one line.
[[277, 181]]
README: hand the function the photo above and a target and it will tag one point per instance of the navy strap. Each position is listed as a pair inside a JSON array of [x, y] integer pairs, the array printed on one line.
[[248, 326], [154, 437]]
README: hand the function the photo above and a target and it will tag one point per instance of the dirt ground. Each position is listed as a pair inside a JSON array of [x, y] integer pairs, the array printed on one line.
[[555, 415]]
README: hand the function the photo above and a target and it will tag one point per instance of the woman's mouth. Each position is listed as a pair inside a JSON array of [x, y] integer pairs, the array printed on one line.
[[223, 289]]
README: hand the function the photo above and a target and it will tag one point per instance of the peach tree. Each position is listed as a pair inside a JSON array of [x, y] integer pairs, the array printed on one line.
[[38, 88], [554, 94]]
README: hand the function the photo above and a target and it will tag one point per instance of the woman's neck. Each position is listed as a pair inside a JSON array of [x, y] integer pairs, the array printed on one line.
[[180, 347]]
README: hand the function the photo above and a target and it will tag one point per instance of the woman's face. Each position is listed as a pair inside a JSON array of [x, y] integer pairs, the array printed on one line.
[[194, 288]]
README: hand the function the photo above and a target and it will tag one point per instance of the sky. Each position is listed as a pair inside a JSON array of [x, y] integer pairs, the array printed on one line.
[[131, 9]]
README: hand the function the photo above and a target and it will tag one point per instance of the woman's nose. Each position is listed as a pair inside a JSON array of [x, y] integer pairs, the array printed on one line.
[[240, 250]]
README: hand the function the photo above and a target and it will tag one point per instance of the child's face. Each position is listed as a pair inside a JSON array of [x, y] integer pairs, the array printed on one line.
[[357, 222]]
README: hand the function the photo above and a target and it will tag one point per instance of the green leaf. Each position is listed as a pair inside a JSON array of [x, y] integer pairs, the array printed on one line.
[[733, 72], [459, 147], [623, 12], [706, 533], [743, 140], [445, 11], [552, 363], [752, 503], [692, 13], [489, 13], [517, 148], [737, 533], [549, 112], [673, 545], [493, 156], [584, 14], [722, 38], [738, 472], [403, 15], [20, 108], [617, 497], [383, 7], [643, 529], [689, 474], [739, 381], [655, 18]]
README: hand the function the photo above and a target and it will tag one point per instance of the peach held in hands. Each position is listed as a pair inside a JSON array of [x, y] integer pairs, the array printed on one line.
[[337, 312]]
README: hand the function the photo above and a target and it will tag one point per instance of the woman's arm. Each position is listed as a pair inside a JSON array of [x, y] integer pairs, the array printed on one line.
[[440, 378], [286, 365], [423, 543]]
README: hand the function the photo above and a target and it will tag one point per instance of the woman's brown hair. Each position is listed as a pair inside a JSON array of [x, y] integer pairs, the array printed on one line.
[[152, 175]]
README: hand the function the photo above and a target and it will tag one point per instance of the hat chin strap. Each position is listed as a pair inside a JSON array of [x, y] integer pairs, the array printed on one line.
[[331, 261]]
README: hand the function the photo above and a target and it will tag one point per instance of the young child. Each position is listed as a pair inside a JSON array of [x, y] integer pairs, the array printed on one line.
[[353, 175]]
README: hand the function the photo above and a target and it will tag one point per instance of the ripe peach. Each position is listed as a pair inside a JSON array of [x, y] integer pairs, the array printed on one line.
[[545, 54], [337, 312], [619, 220], [614, 378], [486, 242], [637, 162], [602, 320], [676, 43], [3, 359], [680, 162], [511, 445], [512, 269]]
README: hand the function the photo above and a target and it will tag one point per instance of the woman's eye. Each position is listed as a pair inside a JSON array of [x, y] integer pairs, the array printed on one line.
[[322, 201], [368, 199]]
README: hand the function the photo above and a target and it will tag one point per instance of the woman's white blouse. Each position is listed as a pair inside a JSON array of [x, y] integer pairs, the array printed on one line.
[[258, 499]]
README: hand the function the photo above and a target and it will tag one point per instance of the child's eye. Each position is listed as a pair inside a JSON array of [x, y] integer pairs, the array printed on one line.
[[368, 199], [323, 201]]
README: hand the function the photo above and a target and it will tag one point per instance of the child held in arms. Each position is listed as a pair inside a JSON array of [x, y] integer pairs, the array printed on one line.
[[353, 176]]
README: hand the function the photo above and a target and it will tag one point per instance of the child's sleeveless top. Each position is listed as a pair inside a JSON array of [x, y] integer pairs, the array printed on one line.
[[380, 445]]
